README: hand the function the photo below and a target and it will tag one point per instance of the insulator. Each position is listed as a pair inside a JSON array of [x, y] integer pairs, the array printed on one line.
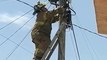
[[68, 17]]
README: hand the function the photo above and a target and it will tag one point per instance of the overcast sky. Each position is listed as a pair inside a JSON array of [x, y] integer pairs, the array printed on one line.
[[91, 46]]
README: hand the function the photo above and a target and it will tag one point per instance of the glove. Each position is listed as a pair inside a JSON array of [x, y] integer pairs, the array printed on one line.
[[34, 12]]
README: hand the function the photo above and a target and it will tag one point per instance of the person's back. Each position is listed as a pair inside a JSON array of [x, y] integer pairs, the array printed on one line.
[[43, 24]]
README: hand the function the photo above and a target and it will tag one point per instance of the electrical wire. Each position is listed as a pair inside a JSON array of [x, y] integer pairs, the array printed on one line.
[[74, 47], [17, 45], [76, 44], [15, 19], [71, 8], [16, 31], [87, 40], [73, 12], [87, 43], [25, 3], [90, 31]]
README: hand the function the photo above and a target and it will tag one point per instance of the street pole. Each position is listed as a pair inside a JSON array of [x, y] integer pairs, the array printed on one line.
[[61, 39]]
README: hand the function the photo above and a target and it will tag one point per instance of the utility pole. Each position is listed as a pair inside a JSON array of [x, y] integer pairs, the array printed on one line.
[[61, 39]]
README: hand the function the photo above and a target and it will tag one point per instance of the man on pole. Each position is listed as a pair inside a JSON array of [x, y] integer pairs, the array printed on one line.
[[42, 28]]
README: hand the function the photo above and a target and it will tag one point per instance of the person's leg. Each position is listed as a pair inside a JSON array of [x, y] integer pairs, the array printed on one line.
[[41, 47]]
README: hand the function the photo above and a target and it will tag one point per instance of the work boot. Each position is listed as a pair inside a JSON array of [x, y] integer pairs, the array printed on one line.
[[33, 59], [36, 59]]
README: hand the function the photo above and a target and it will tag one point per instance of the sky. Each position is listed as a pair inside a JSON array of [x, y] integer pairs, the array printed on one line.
[[91, 46]]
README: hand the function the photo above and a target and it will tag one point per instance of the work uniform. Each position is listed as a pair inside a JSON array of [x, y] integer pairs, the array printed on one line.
[[42, 30]]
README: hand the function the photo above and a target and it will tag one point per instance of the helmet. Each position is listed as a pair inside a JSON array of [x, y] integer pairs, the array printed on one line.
[[40, 5]]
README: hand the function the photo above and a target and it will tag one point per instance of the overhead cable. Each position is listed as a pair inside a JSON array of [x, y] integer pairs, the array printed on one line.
[[17, 45], [16, 19], [25, 3], [73, 12], [75, 52], [92, 48], [90, 31], [16, 31], [75, 41], [88, 40]]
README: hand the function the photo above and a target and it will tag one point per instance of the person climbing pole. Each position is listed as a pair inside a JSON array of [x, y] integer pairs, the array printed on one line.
[[42, 28]]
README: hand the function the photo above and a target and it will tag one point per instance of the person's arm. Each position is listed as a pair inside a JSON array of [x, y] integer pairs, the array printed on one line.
[[55, 18], [59, 10], [55, 14]]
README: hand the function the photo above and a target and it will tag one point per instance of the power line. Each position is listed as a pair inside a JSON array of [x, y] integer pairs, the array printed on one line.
[[74, 47], [76, 44], [25, 3], [17, 45], [87, 43], [85, 30], [16, 31], [90, 31], [15, 19]]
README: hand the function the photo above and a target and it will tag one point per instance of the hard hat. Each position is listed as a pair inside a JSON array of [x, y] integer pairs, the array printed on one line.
[[41, 5]]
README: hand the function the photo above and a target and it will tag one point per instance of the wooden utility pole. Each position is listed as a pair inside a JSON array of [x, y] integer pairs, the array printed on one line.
[[61, 39]]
